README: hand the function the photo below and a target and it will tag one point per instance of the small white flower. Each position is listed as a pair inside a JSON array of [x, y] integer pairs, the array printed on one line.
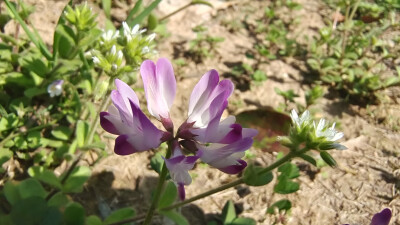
[[119, 55], [145, 50], [301, 121], [113, 50], [109, 35], [329, 133], [150, 37], [96, 60], [55, 88]]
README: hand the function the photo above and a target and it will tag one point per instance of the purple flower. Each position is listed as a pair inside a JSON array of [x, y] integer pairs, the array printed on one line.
[[209, 96], [179, 166], [381, 218], [221, 144], [159, 86], [128, 121]]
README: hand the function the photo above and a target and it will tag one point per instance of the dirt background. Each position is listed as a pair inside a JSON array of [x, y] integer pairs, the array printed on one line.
[[366, 180]]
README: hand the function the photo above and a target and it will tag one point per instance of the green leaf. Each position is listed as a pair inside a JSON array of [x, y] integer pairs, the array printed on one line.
[[144, 13], [52, 216], [58, 200], [93, 220], [243, 221], [31, 188], [391, 81], [289, 170], [29, 211], [156, 162], [82, 130], [75, 181], [106, 4], [169, 195], [286, 186], [33, 139], [283, 204], [228, 212], [178, 218], [253, 177], [45, 175], [119, 215], [308, 159], [314, 64], [328, 158], [8, 122], [259, 76], [90, 38], [5, 155], [134, 10], [34, 64], [11, 192], [65, 40], [74, 214], [152, 21], [34, 91], [62, 133]]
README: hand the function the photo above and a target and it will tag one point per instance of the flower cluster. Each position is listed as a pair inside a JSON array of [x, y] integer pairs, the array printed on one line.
[[122, 51], [220, 144], [318, 137], [82, 17]]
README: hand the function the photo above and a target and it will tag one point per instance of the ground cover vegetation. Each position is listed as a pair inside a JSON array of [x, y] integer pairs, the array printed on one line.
[[102, 88]]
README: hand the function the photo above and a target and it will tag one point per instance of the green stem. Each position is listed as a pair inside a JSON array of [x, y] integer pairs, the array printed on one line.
[[205, 194], [271, 167], [95, 122], [83, 58], [175, 12], [279, 162], [67, 174], [159, 188]]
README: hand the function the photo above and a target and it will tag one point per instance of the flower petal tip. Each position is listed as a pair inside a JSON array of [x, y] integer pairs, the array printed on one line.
[[234, 169]]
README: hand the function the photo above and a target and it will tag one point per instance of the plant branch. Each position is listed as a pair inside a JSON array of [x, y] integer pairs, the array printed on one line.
[[159, 188], [205, 194], [93, 126]]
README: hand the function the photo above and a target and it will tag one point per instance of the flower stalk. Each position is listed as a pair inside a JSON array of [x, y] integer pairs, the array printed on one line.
[[103, 105], [239, 181], [160, 184]]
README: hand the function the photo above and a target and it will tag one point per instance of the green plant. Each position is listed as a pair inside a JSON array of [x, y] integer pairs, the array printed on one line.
[[354, 57], [276, 42], [204, 45]]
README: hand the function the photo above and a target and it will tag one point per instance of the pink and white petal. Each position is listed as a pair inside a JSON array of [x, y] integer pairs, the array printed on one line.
[[249, 132], [153, 88], [234, 169], [217, 151], [167, 81], [123, 110], [202, 91], [126, 92]]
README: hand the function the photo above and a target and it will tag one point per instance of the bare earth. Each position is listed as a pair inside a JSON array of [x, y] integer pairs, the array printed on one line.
[[366, 180]]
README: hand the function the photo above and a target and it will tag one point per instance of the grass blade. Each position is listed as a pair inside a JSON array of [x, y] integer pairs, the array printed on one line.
[[36, 39]]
